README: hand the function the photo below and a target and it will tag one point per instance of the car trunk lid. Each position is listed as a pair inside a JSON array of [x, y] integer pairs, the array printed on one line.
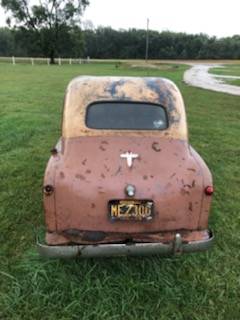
[[93, 172]]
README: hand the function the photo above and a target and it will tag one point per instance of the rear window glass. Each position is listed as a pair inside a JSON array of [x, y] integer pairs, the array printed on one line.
[[126, 116]]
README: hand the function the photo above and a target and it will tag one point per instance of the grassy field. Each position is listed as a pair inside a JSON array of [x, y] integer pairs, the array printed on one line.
[[235, 82], [228, 70], [191, 287]]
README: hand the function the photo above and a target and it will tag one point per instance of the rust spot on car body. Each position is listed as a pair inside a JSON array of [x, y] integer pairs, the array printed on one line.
[[106, 167], [80, 176], [173, 175], [190, 206], [84, 162], [156, 147], [102, 148], [118, 171]]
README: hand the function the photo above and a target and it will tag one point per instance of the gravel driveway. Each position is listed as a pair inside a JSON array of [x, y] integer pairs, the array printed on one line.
[[198, 76]]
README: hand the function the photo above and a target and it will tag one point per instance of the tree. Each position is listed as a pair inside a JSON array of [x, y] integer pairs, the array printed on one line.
[[49, 20], [6, 42]]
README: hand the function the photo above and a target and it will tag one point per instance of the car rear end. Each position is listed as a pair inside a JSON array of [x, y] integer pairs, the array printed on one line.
[[123, 179]]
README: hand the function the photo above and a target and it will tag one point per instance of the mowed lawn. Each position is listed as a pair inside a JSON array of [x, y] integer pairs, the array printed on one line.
[[190, 287], [228, 70]]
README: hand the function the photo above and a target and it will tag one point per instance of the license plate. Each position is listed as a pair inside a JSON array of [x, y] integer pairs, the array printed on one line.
[[138, 210]]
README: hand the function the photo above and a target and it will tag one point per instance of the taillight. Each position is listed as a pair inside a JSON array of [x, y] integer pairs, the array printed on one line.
[[209, 190]]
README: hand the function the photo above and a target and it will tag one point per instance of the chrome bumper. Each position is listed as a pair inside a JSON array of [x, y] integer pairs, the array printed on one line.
[[177, 246]]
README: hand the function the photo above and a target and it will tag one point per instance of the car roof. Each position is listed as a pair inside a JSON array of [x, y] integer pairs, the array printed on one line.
[[85, 90]]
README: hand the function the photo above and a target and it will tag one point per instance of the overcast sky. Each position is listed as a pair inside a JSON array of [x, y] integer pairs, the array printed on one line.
[[214, 17]]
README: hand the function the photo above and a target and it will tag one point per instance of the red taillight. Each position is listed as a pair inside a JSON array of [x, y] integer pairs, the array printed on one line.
[[209, 190]]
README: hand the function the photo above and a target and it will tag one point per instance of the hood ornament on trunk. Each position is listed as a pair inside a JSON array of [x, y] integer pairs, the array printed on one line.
[[129, 156]]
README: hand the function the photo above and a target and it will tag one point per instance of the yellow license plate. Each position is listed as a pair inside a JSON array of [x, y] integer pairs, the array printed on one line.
[[131, 210]]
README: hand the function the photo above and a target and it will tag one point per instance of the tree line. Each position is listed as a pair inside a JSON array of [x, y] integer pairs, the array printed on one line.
[[107, 43]]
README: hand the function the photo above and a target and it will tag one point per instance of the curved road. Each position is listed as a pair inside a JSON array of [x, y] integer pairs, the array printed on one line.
[[198, 76]]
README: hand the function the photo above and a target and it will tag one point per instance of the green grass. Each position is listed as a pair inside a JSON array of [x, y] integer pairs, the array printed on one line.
[[228, 70], [235, 82], [191, 287]]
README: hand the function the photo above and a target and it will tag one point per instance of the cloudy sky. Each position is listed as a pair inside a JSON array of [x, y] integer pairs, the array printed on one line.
[[214, 17]]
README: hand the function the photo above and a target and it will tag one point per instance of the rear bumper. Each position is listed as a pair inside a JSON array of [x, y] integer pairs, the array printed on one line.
[[177, 246]]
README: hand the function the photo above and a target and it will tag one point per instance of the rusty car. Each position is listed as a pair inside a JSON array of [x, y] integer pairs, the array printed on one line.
[[123, 178]]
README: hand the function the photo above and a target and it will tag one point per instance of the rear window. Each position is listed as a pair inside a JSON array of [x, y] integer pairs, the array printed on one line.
[[126, 116]]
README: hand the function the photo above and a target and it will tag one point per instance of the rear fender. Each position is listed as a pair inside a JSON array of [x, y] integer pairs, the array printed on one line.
[[207, 181], [49, 197]]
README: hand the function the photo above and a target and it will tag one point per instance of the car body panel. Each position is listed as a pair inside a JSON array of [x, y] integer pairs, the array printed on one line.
[[175, 185]]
